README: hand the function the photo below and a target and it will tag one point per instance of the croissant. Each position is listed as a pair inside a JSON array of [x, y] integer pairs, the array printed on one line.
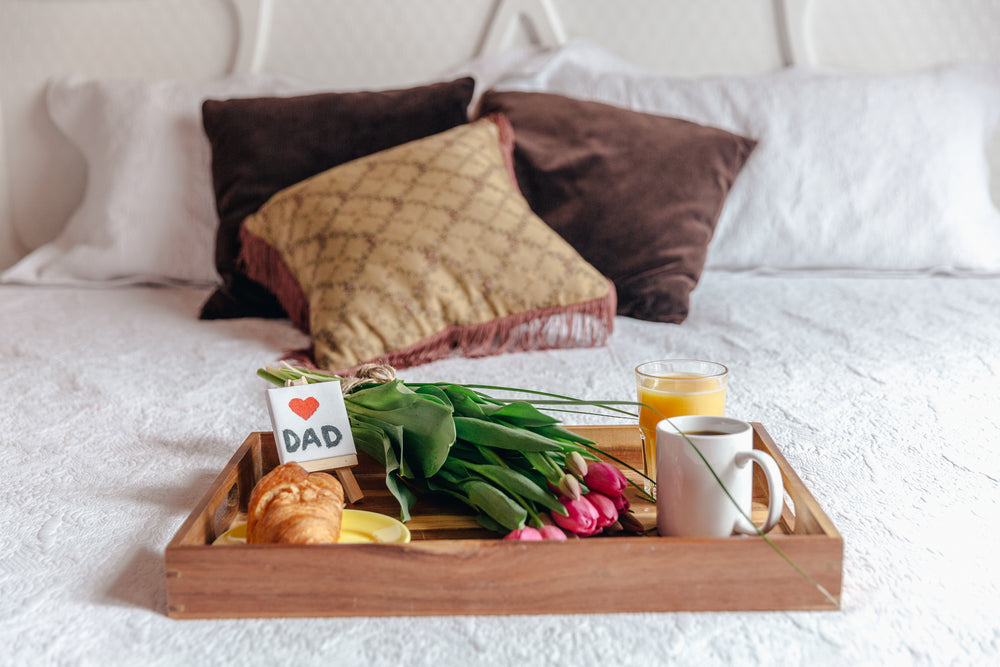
[[292, 506]]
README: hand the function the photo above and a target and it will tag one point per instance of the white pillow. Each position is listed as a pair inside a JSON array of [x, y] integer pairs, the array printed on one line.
[[148, 213], [852, 171]]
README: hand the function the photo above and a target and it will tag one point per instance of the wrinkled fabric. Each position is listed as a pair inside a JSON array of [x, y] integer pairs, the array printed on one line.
[[120, 407]]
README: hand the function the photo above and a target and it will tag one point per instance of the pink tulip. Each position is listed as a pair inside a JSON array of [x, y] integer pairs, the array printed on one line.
[[582, 517], [526, 534], [550, 532], [605, 478], [621, 502], [606, 512]]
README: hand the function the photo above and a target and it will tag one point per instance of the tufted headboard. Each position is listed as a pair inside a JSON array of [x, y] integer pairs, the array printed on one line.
[[353, 44]]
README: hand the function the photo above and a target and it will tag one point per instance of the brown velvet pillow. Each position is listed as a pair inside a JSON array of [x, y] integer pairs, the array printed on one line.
[[263, 145], [637, 195]]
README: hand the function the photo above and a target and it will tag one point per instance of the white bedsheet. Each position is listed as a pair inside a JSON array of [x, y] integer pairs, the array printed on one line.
[[119, 408]]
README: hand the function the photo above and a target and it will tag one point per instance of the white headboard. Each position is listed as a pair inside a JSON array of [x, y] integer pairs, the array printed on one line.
[[351, 44]]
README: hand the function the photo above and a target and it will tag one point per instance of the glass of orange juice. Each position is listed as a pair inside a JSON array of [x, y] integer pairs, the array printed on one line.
[[672, 388]]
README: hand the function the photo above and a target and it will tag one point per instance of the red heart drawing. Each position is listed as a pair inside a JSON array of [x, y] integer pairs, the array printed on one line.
[[304, 408]]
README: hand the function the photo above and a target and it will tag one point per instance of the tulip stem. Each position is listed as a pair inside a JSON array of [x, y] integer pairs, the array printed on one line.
[[529, 509]]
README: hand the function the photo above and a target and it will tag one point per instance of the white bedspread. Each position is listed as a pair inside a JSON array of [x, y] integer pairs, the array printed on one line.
[[119, 408]]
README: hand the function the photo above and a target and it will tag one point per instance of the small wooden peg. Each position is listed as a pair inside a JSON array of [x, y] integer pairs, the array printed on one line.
[[352, 492]]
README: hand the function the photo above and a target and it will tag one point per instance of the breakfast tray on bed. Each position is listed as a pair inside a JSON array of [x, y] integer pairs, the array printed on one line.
[[452, 566]]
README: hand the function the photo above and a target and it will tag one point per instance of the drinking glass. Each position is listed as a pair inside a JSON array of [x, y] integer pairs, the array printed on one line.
[[672, 388]]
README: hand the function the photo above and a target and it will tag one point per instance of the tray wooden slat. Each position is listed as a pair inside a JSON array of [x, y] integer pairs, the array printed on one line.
[[452, 566]]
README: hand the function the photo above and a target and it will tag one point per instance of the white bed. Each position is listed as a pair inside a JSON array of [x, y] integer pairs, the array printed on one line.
[[877, 374]]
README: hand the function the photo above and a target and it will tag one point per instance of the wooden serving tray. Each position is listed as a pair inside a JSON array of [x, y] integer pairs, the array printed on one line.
[[452, 566]]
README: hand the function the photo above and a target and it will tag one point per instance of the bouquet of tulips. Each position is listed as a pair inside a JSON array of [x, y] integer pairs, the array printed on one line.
[[515, 467]]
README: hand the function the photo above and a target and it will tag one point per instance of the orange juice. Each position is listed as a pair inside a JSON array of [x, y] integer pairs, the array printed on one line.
[[680, 394], [672, 389]]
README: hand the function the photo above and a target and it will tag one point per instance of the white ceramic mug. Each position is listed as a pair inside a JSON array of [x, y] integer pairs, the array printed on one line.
[[689, 500]]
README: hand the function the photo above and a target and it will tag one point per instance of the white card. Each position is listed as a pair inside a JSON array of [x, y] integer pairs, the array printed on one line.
[[310, 422]]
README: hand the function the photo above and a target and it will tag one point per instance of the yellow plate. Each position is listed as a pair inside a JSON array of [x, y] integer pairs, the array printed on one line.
[[356, 527]]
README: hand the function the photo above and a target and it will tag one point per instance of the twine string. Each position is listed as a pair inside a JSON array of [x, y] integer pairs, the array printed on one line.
[[367, 374]]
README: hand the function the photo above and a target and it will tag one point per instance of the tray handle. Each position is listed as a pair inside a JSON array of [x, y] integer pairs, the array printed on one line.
[[809, 518], [229, 496]]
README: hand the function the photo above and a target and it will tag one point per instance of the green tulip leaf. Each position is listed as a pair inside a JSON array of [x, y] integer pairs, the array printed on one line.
[[522, 414], [402, 493], [428, 430], [520, 485], [489, 524], [501, 436], [498, 505], [436, 392], [557, 432]]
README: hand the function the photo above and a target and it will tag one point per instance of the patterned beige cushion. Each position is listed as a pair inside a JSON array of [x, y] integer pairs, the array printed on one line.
[[421, 251]]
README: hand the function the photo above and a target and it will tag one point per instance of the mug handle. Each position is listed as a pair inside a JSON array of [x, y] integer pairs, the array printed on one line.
[[775, 491]]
